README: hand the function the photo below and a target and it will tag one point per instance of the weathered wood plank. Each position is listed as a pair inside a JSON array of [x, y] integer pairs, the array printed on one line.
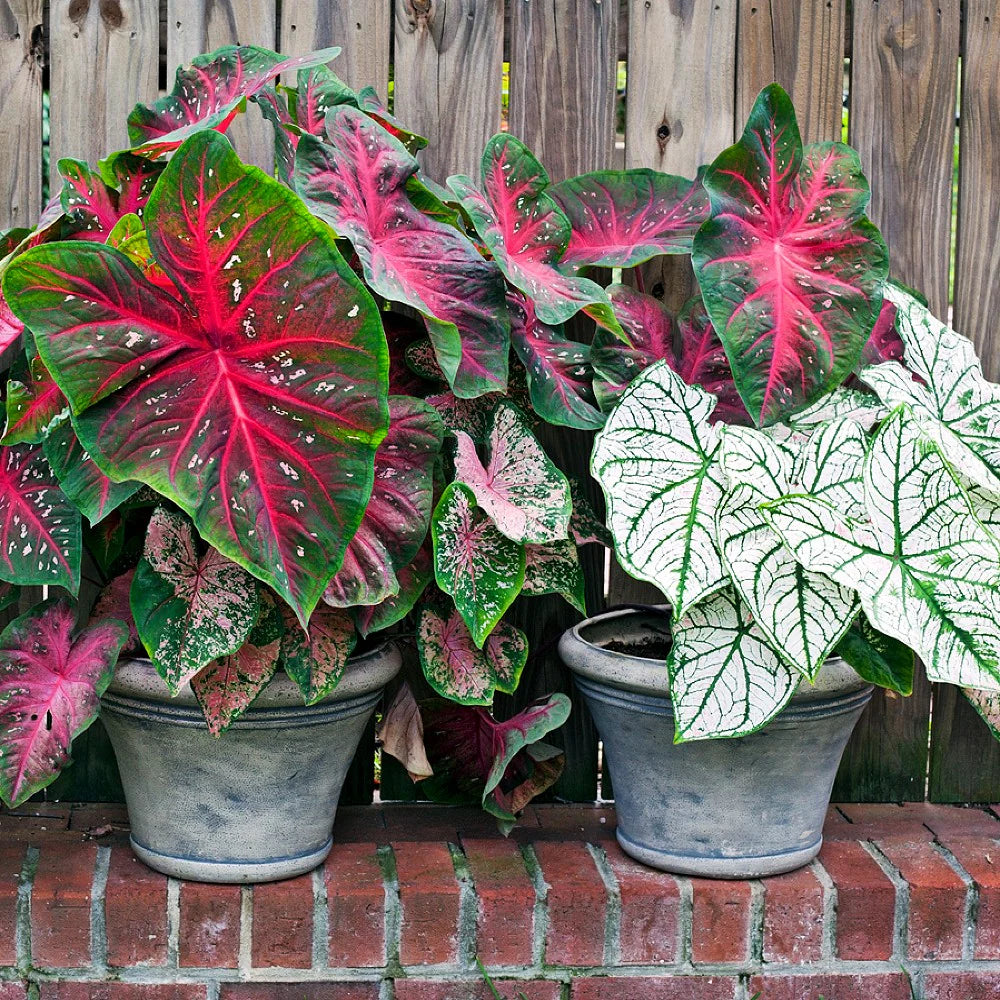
[[195, 26], [21, 60], [799, 44], [448, 78], [104, 59], [965, 758]]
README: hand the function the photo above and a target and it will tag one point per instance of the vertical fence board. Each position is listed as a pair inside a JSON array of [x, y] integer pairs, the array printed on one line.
[[362, 28], [104, 58], [448, 76], [965, 758], [21, 123], [195, 26], [902, 120]]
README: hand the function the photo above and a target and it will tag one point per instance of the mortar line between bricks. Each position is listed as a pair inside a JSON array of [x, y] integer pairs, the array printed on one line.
[[901, 912], [387, 990], [98, 914], [971, 916], [685, 920], [392, 912], [173, 922], [613, 911], [468, 908], [828, 944], [321, 920], [245, 960], [212, 991], [755, 929], [22, 926], [540, 911]]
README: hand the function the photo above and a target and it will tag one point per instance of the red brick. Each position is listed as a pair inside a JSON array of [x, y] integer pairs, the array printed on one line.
[[506, 898], [99, 819], [429, 897], [120, 991], [958, 821], [573, 822], [11, 862], [12, 991], [866, 902], [937, 899], [657, 988], [299, 991], [872, 821], [210, 926], [416, 989], [650, 903], [135, 910], [880, 986], [720, 926], [60, 906], [356, 899], [962, 986], [980, 857], [793, 918], [577, 904], [283, 924]]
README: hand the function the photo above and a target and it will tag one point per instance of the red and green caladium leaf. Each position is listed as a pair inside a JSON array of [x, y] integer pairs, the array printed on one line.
[[34, 403], [40, 536], [252, 393], [399, 511], [884, 344], [210, 92], [114, 603], [413, 580], [356, 180], [316, 658], [790, 269], [456, 668], [520, 487], [189, 608], [621, 218], [526, 231], [8, 595], [482, 569], [50, 683]]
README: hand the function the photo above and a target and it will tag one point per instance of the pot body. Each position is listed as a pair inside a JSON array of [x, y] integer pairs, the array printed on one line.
[[728, 808], [254, 805]]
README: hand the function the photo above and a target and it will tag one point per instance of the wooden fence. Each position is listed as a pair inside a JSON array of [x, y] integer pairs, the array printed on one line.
[[909, 72]]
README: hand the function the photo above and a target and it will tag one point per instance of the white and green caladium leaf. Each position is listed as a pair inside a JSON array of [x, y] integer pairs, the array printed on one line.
[[479, 567], [861, 407], [955, 406], [520, 487], [802, 614], [725, 679], [926, 570], [657, 462]]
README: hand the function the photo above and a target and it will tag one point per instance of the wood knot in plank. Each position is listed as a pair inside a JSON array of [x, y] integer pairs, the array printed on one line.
[[78, 11], [418, 13], [111, 14], [666, 131]]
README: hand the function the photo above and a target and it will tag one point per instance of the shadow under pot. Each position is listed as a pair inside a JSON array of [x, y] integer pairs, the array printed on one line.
[[745, 807], [255, 804]]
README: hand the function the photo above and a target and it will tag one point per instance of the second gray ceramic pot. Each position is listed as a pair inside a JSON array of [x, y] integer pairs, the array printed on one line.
[[726, 808], [254, 805]]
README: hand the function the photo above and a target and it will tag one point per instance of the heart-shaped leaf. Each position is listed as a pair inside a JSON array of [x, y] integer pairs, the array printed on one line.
[[790, 269], [11, 327], [399, 511], [526, 231], [34, 403], [50, 683], [926, 570], [317, 657], [456, 668], [876, 657], [255, 398], [884, 344], [189, 609], [356, 180], [401, 734], [87, 201], [621, 218], [413, 580], [555, 569], [40, 541], [482, 569], [520, 487], [114, 602], [657, 462]]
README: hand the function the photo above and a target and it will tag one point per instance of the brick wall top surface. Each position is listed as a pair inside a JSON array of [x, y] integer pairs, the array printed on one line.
[[904, 901]]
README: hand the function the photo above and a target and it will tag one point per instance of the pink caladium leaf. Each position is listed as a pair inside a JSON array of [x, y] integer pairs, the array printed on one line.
[[458, 669], [555, 569], [520, 487], [316, 658], [501, 764], [114, 603], [470, 416], [526, 231], [210, 92], [356, 180], [227, 687], [134, 177], [475, 563], [34, 404], [252, 393], [50, 683], [401, 734], [190, 608], [399, 511], [373, 106], [884, 344], [790, 269], [11, 327], [560, 376], [87, 201], [585, 527], [40, 535], [413, 580], [621, 218]]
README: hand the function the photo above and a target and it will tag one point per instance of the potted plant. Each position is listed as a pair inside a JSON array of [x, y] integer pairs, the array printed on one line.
[[811, 481]]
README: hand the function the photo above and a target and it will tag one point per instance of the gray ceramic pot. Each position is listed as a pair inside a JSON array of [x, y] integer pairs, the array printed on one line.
[[729, 808], [254, 805]]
